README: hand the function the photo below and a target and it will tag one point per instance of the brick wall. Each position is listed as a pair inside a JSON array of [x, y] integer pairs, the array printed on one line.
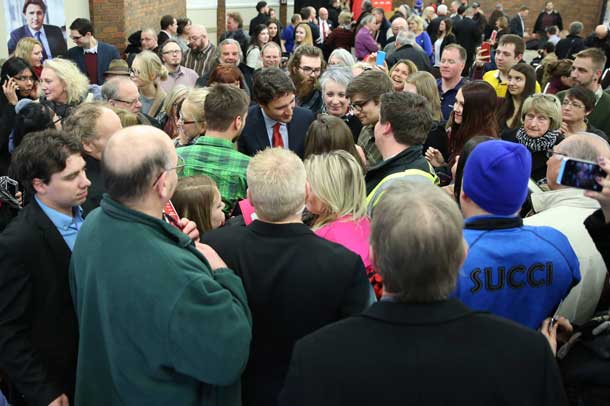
[[114, 20], [588, 12]]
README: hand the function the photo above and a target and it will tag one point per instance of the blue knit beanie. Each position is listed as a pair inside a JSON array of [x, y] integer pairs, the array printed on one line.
[[496, 175]]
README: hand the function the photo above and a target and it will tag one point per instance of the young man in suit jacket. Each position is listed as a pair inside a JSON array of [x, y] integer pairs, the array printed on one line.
[[430, 349], [38, 327], [90, 55], [51, 37], [274, 121], [296, 282]]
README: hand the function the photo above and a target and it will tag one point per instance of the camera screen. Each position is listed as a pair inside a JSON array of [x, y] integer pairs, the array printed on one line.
[[581, 175]]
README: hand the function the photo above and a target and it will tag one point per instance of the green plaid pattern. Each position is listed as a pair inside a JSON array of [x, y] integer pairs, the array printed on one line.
[[218, 159]]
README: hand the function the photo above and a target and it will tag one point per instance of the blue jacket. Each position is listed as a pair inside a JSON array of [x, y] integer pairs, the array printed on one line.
[[516, 271], [105, 54]]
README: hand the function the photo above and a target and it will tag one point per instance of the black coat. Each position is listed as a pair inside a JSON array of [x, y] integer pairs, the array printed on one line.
[[57, 42], [417, 56], [255, 138], [434, 354], [296, 282], [468, 34], [570, 45], [515, 26], [410, 158], [433, 27], [38, 328], [258, 20]]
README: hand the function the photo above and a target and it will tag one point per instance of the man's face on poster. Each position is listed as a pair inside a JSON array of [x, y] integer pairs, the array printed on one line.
[[34, 16]]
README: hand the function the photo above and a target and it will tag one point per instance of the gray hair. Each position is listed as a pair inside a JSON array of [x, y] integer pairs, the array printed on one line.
[[344, 56], [367, 19], [441, 10], [576, 28], [585, 146], [341, 75], [227, 42], [405, 38], [417, 242]]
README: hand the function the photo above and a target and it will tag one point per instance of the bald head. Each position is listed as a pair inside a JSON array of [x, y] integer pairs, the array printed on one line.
[[399, 24], [134, 157], [585, 146], [198, 37], [601, 31]]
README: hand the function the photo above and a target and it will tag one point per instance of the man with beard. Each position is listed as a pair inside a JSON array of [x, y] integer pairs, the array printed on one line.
[[305, 67], [171, 55], [201, 53], [274, 121]]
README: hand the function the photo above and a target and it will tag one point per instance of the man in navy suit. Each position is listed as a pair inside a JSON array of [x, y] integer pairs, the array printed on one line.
[[51, 37], [90, 55], [275, 121]]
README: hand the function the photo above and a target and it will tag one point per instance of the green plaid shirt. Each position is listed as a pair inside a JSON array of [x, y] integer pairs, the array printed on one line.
[[218, 159]]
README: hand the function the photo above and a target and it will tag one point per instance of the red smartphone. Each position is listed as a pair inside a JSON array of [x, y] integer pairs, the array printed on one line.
[[486, 48], [494, 35], [171, 215]]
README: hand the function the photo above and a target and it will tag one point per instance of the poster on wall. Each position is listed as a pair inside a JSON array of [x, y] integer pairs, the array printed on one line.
[[40, 19]]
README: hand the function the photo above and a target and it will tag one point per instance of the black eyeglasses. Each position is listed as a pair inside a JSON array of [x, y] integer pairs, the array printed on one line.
[[127, 101], [549, 153], [179, 169], [357, 106]]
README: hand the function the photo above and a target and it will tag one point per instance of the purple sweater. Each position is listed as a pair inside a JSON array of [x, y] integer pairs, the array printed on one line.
[[365, 44]]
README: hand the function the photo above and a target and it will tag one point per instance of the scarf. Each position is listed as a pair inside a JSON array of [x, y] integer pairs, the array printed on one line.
[[544, 143]]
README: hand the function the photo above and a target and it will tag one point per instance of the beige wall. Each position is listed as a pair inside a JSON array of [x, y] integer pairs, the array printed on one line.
[[72, 8]]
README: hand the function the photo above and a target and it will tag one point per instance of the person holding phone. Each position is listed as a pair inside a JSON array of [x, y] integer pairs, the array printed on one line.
[[565, 208]]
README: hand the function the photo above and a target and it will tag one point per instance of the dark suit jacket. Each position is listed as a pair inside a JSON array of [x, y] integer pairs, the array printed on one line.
[[468, 35], [383, 32], [57, 43], [418, 57], [254, 137], [97, 188], [258, 20], [515, 26], [105, 54], [433, 27], [162, 37], [38, 328], [433, 354], [296, 282]]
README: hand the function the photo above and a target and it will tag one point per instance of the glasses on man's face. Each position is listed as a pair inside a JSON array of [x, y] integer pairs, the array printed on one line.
[[179, 169], [550, 153], [572, 103], [172, 52], [130, 103], [358, 105], [308, 70]]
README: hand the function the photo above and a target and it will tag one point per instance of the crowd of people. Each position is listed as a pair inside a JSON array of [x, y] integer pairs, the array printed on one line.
[[270, 220]]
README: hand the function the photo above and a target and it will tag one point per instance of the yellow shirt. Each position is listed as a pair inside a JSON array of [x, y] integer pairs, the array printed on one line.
[[493, 78]]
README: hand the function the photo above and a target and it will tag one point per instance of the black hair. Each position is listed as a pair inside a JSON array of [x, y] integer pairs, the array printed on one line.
[[13, 66], [260, 5], [182, 22], [586, 96], [40, 155], [31, 118], [166, 21], [82, 25], [270, 83]]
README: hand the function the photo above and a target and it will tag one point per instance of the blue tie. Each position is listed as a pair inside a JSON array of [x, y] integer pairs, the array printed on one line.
[[44, 53]]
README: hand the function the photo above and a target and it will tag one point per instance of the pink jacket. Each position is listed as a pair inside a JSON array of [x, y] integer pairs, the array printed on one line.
[[353, 235]]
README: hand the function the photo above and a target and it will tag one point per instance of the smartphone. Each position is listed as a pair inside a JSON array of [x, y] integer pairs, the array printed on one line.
[[380, 58], [580, 174], [486, 48], [171, 215]]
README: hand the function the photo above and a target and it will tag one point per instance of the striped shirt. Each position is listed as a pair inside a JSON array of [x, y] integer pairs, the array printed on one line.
[[199, 60]]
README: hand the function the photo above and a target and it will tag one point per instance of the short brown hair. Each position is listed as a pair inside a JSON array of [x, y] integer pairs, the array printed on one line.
[[409, 115], [596, 55], [461, 50], [304, 50], [223, 104], [372, 83], [237, 17], [516, 40], [82, 122], [39, 3], [329, 133]]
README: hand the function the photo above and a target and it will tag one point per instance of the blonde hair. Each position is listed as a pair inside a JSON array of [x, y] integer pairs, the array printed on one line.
[[546, 104], [419, 22], [76, 84], [276, 184], [175, 97], [152, 67], [25, 47], [127, 118], [196, 98], [426, 86], [337, 179], [308, 40]]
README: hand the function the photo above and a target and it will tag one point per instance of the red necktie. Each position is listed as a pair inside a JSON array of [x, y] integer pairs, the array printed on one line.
[[277, 137], [323, 31]]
